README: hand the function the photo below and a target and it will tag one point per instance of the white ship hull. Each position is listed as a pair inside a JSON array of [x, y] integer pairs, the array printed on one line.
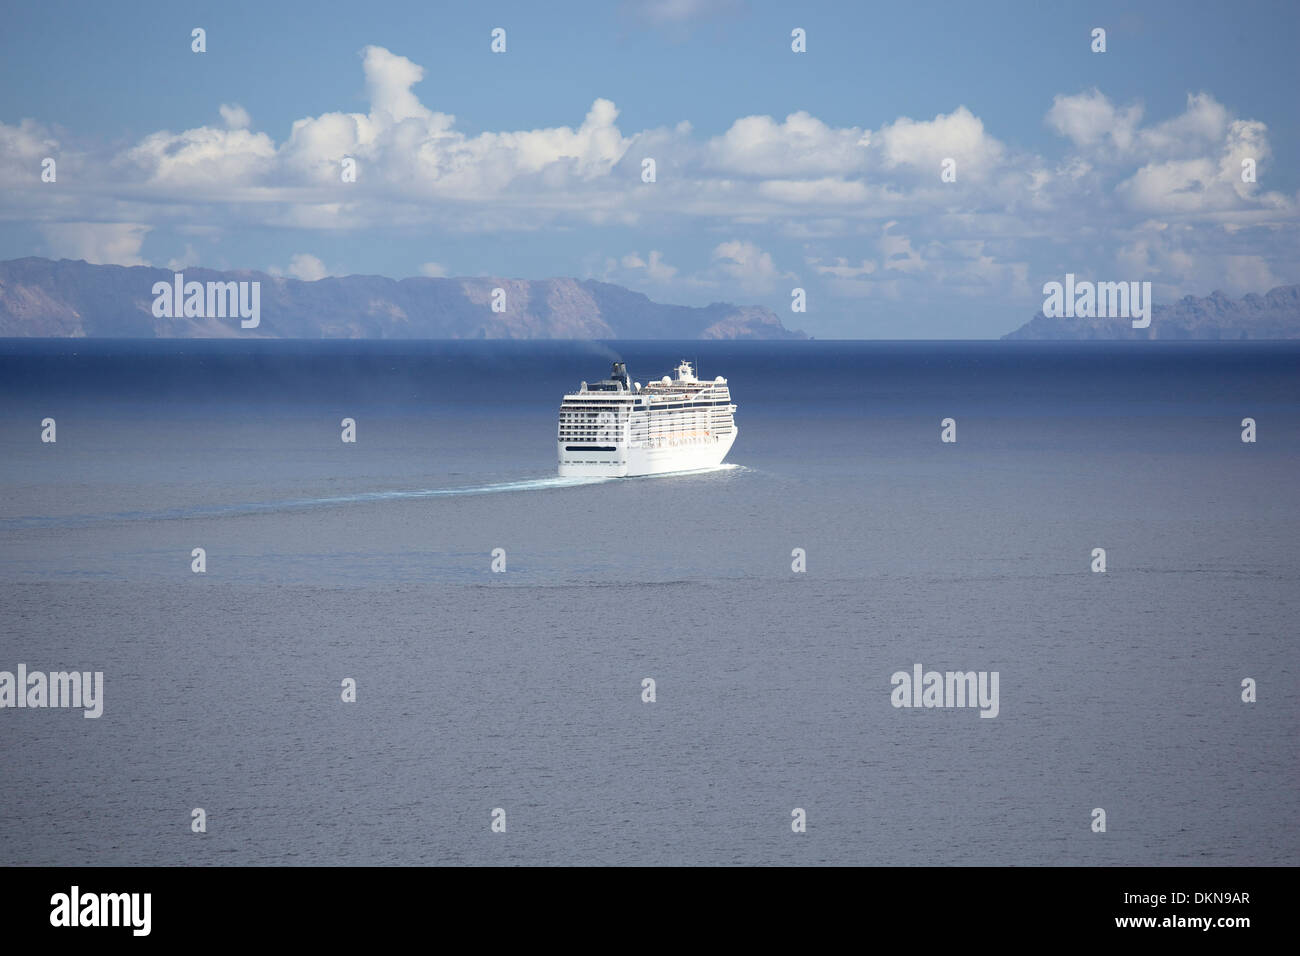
[[631, 462], [619, 429]]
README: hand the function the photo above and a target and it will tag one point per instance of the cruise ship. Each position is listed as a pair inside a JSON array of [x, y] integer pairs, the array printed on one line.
[[620, 429]]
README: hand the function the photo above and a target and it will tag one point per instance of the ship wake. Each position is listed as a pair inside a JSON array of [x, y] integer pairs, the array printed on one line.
[[295, 504]]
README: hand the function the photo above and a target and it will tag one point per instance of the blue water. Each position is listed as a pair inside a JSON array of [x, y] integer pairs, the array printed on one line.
[[522, 689]]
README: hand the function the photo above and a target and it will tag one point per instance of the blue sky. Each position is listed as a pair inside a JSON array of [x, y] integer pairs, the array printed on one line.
[[775, 169]]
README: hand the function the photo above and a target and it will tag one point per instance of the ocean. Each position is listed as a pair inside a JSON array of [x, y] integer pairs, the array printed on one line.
[[521, 690]]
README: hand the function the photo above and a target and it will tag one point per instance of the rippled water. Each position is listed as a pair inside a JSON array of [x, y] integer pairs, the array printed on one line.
[[522, 690]]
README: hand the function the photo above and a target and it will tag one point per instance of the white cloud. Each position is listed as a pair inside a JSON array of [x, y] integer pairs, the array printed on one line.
[[896, 252], [897, 268], [803, 144], [389, 79], [308, 268], [590, 151], [842, 269], [205, 158], [1206, 176], [1186, 170], [1090, 120], [1202, 126], [654, 267], [402, 143], [434, 270], [415, 167], [184, 261], [657, 269], [747, 264], [22, 148], [1246, 273], [861, 206], [235, 116], [1177, 186], [1245, 139], [925, 144], [810, 191], [1177, 257], [101, 243], [1110, 134]]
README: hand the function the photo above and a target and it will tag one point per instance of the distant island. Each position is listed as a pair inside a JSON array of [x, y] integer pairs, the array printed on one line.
[[75, 299], [67, 298], [1274, 315]]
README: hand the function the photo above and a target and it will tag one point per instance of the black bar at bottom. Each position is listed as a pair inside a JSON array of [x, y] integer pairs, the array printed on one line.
[[236, 904]]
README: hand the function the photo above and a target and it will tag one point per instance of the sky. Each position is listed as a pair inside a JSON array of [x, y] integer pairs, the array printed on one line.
[[821, 170]]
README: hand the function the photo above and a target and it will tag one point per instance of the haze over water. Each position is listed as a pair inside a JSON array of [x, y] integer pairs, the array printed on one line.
[[522, 690]]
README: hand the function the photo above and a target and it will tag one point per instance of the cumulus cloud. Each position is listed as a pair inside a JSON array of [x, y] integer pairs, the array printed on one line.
[[897, 267], [654, 267], [22, 148], [1196, 165], [1090, 120], [802, 144], [814, 191], [862, 205], [896, 251], [925, 144], [101, 243], [1115, 133], [1203, 125], [841, 268], [401, 142], [184, 261], [1176, 256], [234, 116], [308, 268], [747, 264], [434, 270], [203, 158], [302, 265], [415, 166], [389, 79]]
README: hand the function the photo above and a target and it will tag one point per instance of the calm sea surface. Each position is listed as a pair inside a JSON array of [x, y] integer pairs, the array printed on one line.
[[522, 690]]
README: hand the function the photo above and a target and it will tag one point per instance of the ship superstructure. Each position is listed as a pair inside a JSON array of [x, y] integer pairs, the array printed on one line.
[[617, 428]]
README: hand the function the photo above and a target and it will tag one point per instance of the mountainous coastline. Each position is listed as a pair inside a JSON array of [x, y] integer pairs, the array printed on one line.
[[1274, 315], [73, 298]]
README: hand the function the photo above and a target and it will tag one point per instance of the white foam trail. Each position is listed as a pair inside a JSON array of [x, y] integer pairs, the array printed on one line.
[[528, 484], [725, 466], [532, 484]]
